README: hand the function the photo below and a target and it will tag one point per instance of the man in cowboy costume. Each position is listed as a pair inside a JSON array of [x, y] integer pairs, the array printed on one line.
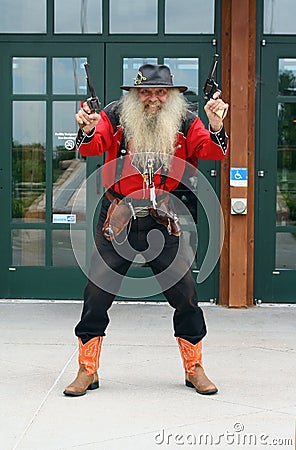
[[146, 130]]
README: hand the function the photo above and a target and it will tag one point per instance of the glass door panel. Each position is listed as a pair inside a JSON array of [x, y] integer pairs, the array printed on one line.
[[286, 173], [28, 247], [29, 75], [189, 16], [130, 67], [68, 76], [28, 161], [76, 16], [62, 250], [286, 165], [143, 19], [185, 72], [68, 167]]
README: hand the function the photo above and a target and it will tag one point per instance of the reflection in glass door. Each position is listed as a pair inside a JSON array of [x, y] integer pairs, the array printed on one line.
[[286, 167], [286, 181], [30, 198]]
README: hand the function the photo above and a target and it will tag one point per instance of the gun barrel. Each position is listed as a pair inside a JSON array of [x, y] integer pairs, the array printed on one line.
[[214, 65], [89, 82]]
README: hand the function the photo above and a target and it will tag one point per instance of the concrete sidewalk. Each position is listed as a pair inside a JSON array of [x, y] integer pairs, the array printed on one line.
[[142, 403]]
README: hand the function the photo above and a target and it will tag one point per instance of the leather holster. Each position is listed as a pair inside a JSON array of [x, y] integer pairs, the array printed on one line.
[[118, 216], [165, 216]]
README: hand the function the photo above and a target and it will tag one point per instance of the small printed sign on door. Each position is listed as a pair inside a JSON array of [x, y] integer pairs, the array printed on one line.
[[64, 218]]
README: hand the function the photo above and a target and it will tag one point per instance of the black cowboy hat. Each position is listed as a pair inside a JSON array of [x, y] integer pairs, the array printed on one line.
[[154, 76]]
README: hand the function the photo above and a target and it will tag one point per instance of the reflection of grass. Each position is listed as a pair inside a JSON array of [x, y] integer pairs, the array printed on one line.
[[17, 208], [28, 164], [290, 201], [287, 185], [20, 206], [29, 171]]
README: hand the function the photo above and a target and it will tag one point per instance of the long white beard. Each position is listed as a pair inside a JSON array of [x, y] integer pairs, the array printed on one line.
[[153, 135]]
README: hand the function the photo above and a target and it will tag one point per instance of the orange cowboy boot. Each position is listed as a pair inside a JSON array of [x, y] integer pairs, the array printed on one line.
[[87, 377], [195, 376]]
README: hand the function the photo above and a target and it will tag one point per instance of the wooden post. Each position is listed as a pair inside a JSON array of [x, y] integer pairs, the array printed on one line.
[[238, 86]]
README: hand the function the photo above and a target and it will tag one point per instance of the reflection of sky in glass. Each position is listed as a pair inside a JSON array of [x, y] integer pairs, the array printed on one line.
[[78, 16], [185, 71], [23, 16], [133, 16], [131, 67], [68, 76], [29, 75], [189, 16], [64, 124], [287, 64], [279, 16], [287, 76], [29, 125]]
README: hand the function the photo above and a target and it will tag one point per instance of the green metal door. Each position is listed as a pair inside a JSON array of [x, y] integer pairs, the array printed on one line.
[[189, 65], [275, 270], [41, 172], [42, 190]]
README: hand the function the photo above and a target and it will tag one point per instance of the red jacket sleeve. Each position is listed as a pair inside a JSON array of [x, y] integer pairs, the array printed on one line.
[[102, 139], [204, 144]]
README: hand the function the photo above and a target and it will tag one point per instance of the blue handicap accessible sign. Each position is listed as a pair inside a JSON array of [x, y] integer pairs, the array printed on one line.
[[238, 176], [64, 218]]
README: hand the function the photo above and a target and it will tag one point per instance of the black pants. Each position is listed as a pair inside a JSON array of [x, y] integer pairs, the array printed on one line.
[[110, 263]]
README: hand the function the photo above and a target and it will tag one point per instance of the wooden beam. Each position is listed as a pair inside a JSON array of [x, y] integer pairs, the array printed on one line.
[[239, 153], [238, 64], [225, 164]]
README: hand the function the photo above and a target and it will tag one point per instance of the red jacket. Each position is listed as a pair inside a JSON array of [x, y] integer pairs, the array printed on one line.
[[192, 142]]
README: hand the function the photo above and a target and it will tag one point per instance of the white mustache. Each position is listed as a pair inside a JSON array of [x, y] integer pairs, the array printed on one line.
[[153, 104]]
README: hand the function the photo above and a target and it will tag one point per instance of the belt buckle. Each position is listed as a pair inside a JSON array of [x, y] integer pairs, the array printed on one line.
[[137, 211], [141, 211]]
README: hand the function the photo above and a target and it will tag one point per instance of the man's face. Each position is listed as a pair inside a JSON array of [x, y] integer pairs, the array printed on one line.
[[153, 98]]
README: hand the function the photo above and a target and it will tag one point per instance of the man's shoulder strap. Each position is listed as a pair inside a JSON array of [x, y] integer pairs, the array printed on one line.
[[187, 122], [112, 112]]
